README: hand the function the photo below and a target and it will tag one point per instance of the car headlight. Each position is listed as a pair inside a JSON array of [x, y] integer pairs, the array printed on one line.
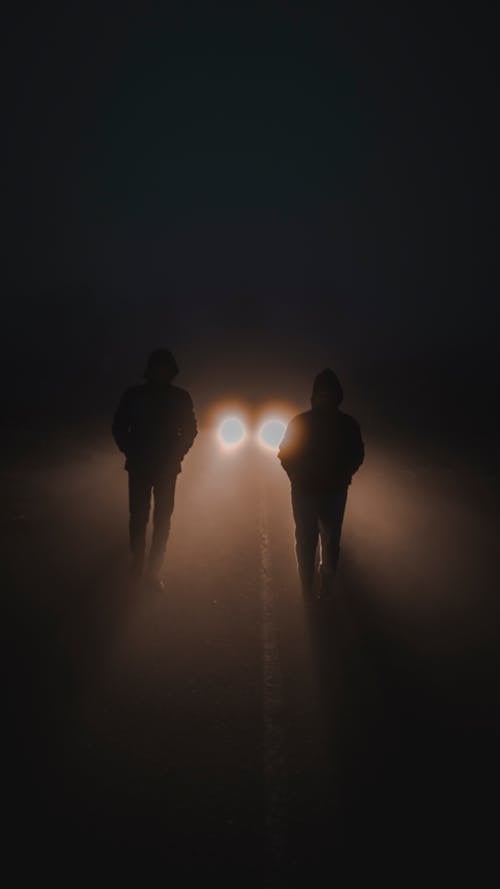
[[231, 432], [271, 433]]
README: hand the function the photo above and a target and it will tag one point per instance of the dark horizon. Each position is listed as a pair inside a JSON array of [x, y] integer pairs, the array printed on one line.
[[307, 185]]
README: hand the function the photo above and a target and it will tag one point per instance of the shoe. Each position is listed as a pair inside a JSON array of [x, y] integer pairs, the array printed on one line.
[[136, 568], [307, 592], [307, 585], [155, 582], [326, 585]]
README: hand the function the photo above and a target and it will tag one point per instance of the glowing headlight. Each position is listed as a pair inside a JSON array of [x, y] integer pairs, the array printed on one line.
[[271, 434], [231, 432]]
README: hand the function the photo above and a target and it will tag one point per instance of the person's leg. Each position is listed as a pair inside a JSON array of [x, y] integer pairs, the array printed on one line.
[[139, 492], [305, 513], [331, 516], [164, 497]]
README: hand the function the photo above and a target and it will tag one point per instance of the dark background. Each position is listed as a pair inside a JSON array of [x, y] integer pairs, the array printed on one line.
[[268, 189], [265, 188]]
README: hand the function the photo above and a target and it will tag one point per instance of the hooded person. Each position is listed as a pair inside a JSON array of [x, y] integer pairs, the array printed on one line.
[[321, 450], [154, 426]]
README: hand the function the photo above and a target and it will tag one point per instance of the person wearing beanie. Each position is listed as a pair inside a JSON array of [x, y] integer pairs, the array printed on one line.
[[154, 426], [321, 450]]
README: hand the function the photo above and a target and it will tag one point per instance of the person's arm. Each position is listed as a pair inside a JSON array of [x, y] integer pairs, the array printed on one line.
[[290, 453], [187, 429], [356, 452], [284, 451], [122, 422]]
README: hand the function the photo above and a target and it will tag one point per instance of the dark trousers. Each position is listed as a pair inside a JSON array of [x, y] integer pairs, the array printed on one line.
[[318, 516], [140, 489]]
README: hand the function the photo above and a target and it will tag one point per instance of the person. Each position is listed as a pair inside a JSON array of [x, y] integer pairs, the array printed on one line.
[[154, 426], [320, 451]]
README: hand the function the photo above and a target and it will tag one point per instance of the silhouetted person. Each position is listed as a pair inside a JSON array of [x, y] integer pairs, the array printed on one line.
[[321, 450], [154, 426]]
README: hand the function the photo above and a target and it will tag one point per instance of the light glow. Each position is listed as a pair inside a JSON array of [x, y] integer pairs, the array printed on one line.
[[271, 433], [231, 432]]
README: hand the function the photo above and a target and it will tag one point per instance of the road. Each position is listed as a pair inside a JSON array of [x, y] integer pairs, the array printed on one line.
[[220, 729]]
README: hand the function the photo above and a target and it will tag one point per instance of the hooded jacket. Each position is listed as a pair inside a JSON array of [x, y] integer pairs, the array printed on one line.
[[154, 426], [321, 450]]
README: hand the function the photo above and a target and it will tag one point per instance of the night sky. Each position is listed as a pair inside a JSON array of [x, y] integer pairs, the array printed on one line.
[[265, 188]]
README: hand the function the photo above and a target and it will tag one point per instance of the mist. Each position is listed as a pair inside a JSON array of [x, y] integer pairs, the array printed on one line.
[[266, 192]]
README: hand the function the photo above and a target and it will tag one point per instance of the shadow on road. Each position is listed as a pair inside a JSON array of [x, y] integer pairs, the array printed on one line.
[[411, 731], [134, 722]]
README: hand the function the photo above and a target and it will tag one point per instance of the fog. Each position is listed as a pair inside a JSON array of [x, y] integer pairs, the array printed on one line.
[[224, 713], [267, 192]]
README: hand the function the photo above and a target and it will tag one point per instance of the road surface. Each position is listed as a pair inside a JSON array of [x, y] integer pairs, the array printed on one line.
[[222, 730]]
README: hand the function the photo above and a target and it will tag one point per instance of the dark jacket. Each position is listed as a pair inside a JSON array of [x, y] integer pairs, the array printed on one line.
[[154, 426], [321, 450]]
